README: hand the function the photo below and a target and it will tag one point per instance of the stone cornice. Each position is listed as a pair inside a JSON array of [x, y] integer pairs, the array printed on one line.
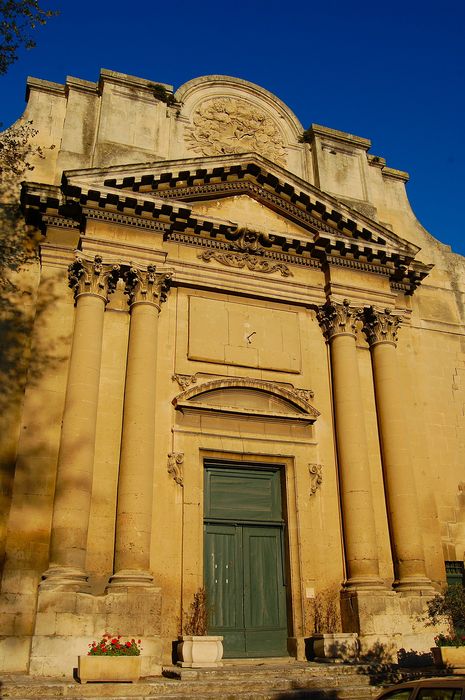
[[298, 399], [158, 200]]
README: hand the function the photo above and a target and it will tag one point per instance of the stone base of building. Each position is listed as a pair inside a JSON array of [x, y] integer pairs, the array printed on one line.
[[68, 621], [386, 621]]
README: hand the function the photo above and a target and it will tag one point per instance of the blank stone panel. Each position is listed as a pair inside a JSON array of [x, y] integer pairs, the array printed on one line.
[[239, 334]]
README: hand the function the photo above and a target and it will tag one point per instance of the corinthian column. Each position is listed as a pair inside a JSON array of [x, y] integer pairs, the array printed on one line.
[[146, 290], [381, 331], [92, 281], [338, 323]]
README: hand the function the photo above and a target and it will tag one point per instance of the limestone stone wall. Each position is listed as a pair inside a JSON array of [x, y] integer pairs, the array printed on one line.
[[257, 337]]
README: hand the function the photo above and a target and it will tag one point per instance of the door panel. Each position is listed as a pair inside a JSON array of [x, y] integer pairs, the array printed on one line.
[[223, 581], [264, 591], [244, 571]]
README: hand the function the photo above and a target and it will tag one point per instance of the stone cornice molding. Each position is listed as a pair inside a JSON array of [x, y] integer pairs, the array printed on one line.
[[146, 286], [337, 318], [158, 196], [380, 326], [93, 277], [297, 398]]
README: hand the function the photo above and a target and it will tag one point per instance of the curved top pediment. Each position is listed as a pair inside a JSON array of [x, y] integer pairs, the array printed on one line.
[[247, 397]]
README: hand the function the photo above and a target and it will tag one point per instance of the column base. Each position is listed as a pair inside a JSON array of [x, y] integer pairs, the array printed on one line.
[[64, 578], [128, 578], [414, 585], [386, 621], [364, 583]]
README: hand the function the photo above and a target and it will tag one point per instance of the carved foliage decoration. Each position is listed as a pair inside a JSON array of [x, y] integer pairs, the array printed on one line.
[[246, 251], [93, 277], [227, 125], [316, 477], [241, 260], [380, 326], [146, 286], [336, 318], [175, 467], [184, 380]]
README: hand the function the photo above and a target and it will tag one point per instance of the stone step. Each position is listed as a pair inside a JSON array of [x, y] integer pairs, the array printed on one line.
[[271, 688]]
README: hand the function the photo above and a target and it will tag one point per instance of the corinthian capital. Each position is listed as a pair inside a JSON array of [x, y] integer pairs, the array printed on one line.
[[337, 319], [380, 326], [93, 277], [147, 286]]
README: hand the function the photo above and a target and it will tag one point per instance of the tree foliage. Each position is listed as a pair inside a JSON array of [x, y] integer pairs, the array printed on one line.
[[449, 608], [18, 20]]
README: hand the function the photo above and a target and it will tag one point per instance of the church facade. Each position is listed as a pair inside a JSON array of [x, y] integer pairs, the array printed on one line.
[[245, 373]]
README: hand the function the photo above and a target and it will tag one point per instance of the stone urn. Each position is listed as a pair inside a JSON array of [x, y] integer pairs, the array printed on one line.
[[110, 669], [450, 657], [200, 652], [335, 646]]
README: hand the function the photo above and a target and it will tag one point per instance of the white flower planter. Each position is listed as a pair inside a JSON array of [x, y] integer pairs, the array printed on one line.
[[200, 652]]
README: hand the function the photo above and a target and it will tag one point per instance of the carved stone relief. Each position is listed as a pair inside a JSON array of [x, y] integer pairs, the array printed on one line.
[[175, 467], [93, 277], [227, 125], [336, 318], [184, 380], [316, 477], [146, 285], [380, 326], [245, 251]]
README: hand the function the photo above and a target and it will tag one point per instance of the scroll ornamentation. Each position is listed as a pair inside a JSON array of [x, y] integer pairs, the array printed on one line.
[[305, 394], [184, 380], [175, 467], [146, 286], [316, 477], [226, 125], [380, 326], [241, 260], [336, 318], [93, 277]]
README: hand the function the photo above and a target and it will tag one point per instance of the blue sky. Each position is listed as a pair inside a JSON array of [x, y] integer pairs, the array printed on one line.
[[392, 71]]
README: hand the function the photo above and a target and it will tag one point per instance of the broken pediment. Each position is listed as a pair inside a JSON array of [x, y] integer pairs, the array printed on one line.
[[248, 397]]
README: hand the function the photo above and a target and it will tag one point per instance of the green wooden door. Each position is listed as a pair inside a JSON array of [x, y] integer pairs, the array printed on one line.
[[244, 566]]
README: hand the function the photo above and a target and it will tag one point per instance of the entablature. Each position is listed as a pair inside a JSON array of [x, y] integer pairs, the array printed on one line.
[[158, 197]]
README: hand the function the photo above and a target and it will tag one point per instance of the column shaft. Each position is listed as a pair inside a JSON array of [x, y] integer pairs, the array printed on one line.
[[73, 490], [354, 472], [135, 486], [398, 475]]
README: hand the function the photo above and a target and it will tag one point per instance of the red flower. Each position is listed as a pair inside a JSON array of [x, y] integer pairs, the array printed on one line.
[[128, 644], [114, 640]]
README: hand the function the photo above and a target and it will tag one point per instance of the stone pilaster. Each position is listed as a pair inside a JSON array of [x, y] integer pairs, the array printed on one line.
[[338, 324], [92, 282], [146, 290], [381, 329]]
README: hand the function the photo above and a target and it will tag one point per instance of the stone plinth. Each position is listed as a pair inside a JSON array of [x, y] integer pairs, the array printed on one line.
[[67, 622]]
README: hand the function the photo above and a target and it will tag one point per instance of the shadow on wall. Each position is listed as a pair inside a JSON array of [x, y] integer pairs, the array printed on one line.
[[22, 358]]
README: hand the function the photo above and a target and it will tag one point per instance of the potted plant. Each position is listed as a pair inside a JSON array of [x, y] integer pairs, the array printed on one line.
[[449, 609], [328, 643], [112, 659], [195, 648]]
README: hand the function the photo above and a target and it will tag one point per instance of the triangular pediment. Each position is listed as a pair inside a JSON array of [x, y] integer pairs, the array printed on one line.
[[184, 197]]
